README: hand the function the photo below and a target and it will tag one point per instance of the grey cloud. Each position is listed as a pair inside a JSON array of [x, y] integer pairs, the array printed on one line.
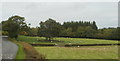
[[105, 14]]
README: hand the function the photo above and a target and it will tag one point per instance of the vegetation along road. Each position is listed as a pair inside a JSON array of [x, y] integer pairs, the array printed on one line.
[[9, 49]]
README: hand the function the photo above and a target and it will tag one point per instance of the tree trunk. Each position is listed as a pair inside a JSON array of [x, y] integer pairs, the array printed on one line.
[[46, 38], [49, 38]]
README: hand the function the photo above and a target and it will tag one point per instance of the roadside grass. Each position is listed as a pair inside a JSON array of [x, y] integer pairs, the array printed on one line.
[[26, 51], [20, 54], [66, 40], [95, 52], [31, 52]]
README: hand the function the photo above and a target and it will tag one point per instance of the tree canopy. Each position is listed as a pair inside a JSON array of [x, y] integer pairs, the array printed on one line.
[[13, 25], [49, 29]]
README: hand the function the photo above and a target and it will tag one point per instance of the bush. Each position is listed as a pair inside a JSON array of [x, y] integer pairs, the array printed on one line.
[[43, 44], [5, 33], [23, 33], [31, 53]]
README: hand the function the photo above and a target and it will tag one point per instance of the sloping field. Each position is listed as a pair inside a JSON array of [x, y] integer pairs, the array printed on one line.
[[99, 52], [66, 40]]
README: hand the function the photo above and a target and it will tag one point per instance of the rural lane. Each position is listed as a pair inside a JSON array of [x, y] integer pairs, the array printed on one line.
[[9, 49]]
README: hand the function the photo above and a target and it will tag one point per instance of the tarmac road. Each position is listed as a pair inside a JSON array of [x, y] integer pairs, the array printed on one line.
[[9, 49]]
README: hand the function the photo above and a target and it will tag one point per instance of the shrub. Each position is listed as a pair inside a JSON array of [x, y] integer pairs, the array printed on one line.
[[43, 44], [31, 53], [5, 33], [23, 33]]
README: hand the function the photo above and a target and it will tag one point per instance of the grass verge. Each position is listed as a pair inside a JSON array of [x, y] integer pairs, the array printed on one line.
[[31, 53], [20, 54]]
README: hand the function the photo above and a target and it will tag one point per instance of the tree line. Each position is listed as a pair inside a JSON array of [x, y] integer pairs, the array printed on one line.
[[16, 25]]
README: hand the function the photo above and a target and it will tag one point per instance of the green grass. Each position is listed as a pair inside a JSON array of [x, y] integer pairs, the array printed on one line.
[[30, 39], [67, 40], [99, 52], [20, 53], [86, 41], [92, 52]]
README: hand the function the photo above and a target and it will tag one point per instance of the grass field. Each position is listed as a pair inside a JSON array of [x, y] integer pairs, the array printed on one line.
[[67, 40], [86, 52], [99, 52]]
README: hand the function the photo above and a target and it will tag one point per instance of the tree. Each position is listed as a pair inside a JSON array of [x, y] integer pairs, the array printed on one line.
[[94, 26], [118, 33], [67, 32], [107, 33], [49, 29], [33, 31], [0, 26], [85, 31], [13, 25], [89, 31]]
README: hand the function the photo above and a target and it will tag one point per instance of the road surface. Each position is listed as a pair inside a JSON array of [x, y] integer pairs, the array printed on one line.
[[9, 49]]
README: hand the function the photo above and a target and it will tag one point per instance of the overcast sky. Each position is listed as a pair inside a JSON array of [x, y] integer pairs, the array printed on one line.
[[105, 14]]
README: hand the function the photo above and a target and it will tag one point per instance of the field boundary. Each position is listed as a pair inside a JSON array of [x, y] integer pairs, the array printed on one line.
[[70, 45]]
